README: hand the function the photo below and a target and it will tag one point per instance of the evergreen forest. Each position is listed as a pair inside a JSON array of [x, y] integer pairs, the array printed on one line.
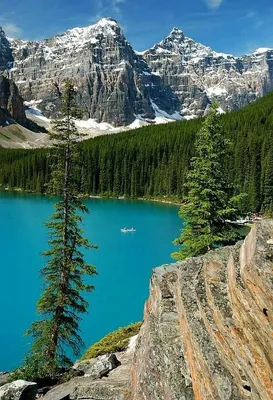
[[153, 161]]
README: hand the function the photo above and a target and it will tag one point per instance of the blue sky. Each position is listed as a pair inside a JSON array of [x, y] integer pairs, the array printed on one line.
[[231, 26]]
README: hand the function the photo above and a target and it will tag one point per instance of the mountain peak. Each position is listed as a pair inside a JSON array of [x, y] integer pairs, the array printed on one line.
[[176, 33], [105, 26], [262, 50], [107, 21], [2, 33]]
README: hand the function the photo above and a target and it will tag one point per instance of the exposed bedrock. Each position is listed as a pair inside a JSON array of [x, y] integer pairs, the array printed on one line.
[[208, 326], [207, 333], [116, 84], [11, 102], [199, 75]]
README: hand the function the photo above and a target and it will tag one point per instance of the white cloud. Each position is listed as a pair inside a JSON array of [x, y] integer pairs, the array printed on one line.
[[214, 3], [106, 8], [11, 29]]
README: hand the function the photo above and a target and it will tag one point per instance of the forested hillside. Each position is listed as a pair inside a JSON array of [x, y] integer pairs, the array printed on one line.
[[153, 161]]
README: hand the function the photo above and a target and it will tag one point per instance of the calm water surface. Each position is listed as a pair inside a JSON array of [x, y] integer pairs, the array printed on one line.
[[124, 262]]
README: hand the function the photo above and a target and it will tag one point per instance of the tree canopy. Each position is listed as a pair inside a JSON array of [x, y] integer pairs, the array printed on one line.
[[153, 161], [65, 272], [208, 206]]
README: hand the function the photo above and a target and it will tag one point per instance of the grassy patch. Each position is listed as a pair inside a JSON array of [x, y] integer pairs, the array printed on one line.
[[3, 135], [113, 342]]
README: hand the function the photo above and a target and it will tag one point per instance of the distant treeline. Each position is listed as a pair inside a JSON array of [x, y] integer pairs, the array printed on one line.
[[153, 161]]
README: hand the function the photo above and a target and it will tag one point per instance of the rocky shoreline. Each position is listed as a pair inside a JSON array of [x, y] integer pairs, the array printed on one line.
[[207, 334]]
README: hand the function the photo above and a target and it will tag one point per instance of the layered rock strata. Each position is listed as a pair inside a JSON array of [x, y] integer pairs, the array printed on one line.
[[118, 85], [114, 83], [11, 102], [198, 75], [207, 332], [105, 378], [208, 324]]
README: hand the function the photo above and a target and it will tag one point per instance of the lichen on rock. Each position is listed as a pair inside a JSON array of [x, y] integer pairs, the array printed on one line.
[[207, 332], [208, 323]]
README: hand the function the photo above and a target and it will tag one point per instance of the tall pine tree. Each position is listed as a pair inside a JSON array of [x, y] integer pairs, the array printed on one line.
[[207, 206], [65, 272], [267, 206]]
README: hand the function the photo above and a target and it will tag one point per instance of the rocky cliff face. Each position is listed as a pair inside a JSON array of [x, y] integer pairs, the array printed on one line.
[[10, 102], [114, 83], [206, 335], [198, 75], [208, 326], [15, 129], [6, 58], [117, 84]]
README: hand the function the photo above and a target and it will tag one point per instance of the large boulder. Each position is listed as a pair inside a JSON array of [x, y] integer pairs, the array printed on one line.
[[4, 376], [18, 390], [98, 367]]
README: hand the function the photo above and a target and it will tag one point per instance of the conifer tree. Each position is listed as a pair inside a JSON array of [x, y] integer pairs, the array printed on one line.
[[61, 303], [208, 205], [267, 206]]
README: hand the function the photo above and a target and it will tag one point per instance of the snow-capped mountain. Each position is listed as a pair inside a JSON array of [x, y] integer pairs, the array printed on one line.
[[114, 83], [198, 75], [120, 86]]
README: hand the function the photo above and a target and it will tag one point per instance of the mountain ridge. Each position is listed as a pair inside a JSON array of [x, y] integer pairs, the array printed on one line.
[[177, 77], [199, 75], [114, 83]]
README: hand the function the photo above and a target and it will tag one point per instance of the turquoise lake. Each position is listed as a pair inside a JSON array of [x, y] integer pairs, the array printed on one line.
[[124, 262]]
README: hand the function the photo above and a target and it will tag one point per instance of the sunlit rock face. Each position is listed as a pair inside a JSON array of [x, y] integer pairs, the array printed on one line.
[[114, 83], [206, 335], [177, 78], [198, 75], [208, 324]]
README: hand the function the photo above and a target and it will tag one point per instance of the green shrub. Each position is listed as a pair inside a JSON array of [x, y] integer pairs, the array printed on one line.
[[33, 369], [113, 342]]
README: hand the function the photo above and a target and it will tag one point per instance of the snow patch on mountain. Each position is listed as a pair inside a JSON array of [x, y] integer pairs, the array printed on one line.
[[91, 124], [163, 115], [33, 110], [91, 128], [199, 75], [262, 50], [216, 91], [220, 110], [178, 73], [73, 40]]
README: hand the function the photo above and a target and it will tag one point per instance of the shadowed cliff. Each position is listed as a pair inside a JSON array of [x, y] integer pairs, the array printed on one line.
[[11, 101], [15, 129]]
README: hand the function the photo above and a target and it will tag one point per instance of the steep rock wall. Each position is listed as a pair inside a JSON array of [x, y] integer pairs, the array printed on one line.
[[114, 83], [208, 326], [198, 75], [11, 101], [177, 76], [207, 332]]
